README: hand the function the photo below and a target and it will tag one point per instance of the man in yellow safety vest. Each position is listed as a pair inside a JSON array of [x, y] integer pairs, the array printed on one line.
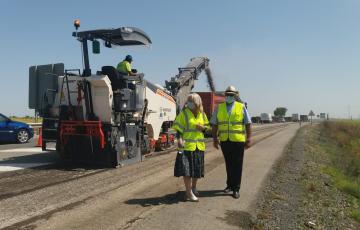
[[232, 126], [125, 66]]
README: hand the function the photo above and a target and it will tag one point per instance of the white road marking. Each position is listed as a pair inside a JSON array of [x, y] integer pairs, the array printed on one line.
[[8, 164], [18, 166], [22, 150]]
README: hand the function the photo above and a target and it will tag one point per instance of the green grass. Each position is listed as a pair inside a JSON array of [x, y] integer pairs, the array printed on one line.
[[345, 140], [356, 215], [343, 182], [340, 140]]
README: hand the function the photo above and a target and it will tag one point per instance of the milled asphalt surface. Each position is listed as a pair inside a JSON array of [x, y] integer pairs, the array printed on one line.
[[144, 195], [219, 211]]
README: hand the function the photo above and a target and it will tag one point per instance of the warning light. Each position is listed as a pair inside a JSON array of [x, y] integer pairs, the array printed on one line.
[[77, 24]]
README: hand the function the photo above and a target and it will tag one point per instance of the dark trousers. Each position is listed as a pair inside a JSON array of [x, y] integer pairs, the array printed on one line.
[[234, 154]]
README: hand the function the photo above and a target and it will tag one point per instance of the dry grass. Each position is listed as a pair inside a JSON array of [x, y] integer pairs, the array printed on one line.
[[311, 187], [276, 196], [263, 215], [26, 119]]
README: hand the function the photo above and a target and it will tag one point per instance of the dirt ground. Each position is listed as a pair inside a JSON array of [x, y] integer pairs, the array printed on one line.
[[298, 195]]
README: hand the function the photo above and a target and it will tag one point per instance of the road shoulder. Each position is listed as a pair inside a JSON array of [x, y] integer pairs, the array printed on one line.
[[299, 195]]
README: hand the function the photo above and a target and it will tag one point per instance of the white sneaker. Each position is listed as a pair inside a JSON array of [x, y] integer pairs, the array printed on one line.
[[192, 198], [195, 191]]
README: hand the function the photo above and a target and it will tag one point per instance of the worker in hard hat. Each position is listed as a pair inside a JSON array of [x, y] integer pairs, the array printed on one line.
[[125, 66], [231, 125], [190, 124]]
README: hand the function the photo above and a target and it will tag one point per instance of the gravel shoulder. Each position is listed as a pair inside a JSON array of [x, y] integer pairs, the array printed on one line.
[[298, 195]]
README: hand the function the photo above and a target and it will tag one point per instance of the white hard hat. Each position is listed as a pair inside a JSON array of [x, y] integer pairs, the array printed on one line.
[[231, 90]]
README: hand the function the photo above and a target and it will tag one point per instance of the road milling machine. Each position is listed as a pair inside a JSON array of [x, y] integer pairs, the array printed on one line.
[[107, 117]]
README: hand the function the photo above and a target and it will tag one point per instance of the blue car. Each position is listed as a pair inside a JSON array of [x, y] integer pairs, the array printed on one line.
[[11, 131]]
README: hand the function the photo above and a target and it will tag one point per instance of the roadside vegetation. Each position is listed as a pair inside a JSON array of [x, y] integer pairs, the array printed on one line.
[[316, 184], [26, 119], [341, 141]]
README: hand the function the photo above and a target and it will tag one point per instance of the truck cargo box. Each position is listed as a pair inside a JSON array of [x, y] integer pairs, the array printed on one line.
[[266, 117], [210, 101], [295, 117]]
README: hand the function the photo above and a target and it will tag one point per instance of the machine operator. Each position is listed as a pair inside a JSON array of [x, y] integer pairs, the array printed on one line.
[[125, 66]]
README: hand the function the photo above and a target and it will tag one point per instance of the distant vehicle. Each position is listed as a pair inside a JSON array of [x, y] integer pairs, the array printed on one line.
[[278, 119], [295, 117], [14, 131], [266, 118], [322, 116], [255, 119], [304, 118]]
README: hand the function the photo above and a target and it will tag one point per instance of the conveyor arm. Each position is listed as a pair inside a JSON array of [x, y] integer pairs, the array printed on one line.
[[181, 85]]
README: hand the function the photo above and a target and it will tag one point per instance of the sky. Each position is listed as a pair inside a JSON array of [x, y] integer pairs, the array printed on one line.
[[302, 55]]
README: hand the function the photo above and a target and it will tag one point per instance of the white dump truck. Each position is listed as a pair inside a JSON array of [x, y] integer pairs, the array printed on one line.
[[295, 117], [266, 118]]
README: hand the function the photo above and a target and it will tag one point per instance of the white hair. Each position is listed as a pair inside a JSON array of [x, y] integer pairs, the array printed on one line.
[[194, 97]]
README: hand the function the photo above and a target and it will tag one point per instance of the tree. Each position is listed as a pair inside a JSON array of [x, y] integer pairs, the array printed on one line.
[[311, 114], [280, 111]]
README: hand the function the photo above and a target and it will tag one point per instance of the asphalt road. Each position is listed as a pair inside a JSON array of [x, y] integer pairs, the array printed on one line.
[[32, 142], [20, 156], [139, 196]]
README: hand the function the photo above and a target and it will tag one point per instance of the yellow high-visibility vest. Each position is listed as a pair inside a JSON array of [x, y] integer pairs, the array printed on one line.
[[231, 127], [185, 123], [124, 67]]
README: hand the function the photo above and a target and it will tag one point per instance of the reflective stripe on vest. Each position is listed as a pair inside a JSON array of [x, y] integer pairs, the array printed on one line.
[[193, 138], [231, 127], [180, 127]]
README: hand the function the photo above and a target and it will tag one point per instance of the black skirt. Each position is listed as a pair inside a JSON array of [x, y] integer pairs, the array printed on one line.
[[189, 163]]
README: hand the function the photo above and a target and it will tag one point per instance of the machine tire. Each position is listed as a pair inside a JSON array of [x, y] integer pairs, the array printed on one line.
[[43, 146], [22, 136], [60, 149]]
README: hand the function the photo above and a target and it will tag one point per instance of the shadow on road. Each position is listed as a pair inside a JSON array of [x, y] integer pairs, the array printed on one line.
[[172, 198], [49, 160], [212, 193], [14, 145], [240, 219], [31, 158], [168, 199]]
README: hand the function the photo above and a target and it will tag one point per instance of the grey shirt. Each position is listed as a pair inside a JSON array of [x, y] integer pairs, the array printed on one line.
[[229, 107]]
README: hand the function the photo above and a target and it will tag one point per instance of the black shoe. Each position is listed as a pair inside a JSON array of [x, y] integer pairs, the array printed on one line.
[[236, 194], [227, 190]]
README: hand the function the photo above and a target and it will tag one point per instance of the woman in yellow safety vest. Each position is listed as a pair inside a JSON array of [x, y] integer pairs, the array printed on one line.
[[190, 124]]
